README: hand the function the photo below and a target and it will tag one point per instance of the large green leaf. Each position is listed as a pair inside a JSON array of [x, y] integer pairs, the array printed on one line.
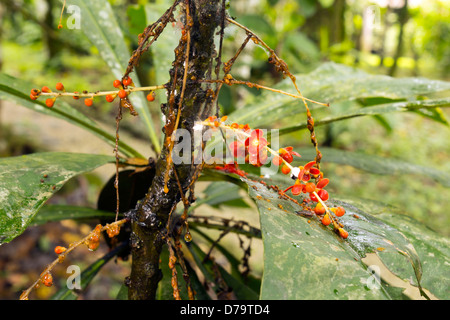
[[305, 260], [332, 83], [376, 164], [62, 212], [432, 107], [17, 91], [99, 24], [26, 182], [432, 248]]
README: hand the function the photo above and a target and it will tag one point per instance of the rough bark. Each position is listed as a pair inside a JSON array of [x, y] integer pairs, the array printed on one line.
[[150, 217]]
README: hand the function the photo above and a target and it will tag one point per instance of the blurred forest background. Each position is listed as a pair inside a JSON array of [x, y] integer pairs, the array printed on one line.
[[400, 38]]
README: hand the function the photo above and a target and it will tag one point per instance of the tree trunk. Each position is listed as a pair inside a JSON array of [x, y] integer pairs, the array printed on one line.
[[150, 217], [402, 19]]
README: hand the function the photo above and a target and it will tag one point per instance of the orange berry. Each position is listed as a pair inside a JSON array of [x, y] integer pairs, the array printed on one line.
[[216, 123], [46, 89], [319, 209], [285, 169], [117, 83], [50, 102], [76, 97], [343, 233], [33, 97], [287, 156], [88, 102], [326, 220], [310, 187], [59, 249], [223, 119], [151, 97], [122, 94], [339, 211], [277, 160], [59, 86], [110, 97], [48, 280], [234, 125], [35, 92], [127, 81]]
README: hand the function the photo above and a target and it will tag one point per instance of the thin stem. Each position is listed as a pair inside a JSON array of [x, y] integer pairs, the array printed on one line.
[[61, 257], [100, 93]]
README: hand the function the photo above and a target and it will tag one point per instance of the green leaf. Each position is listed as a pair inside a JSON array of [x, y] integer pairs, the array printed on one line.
[[331, 83], [26, 182], [309, 261], [430, 106], [376, 164], [221, 193], [54, 212], [99, 24], [88, 275], [432, 248], [17, 91]]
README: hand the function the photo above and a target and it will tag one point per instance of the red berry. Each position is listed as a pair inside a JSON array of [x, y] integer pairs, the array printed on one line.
[[88, 102], [110, 97], [117, 83], [323, 194], [59, 86], [76, 97], [297, 189], [127, 81], [310, 187], [151, 97], [288, 157], [122, 94], [46, 89], [277, 160], [50, 102], [59, 249], [322, 183], [314, 171], [313, 197], [285, 169]]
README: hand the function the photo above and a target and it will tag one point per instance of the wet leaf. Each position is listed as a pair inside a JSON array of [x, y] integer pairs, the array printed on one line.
[[26, 182], [306, 260], [331, 83], [54, 212]]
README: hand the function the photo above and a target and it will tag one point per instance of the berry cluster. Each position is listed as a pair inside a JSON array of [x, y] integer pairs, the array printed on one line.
[[308, 178], [93, 240], [123, 92]]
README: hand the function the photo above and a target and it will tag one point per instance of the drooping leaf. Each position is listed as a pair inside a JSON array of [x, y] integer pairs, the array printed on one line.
[[26, 182], [306, 260], [54, 212], [17, 91], [101, 27], [331, 83]]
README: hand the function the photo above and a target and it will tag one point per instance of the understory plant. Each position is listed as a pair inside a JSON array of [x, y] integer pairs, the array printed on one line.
[[316, 245]]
